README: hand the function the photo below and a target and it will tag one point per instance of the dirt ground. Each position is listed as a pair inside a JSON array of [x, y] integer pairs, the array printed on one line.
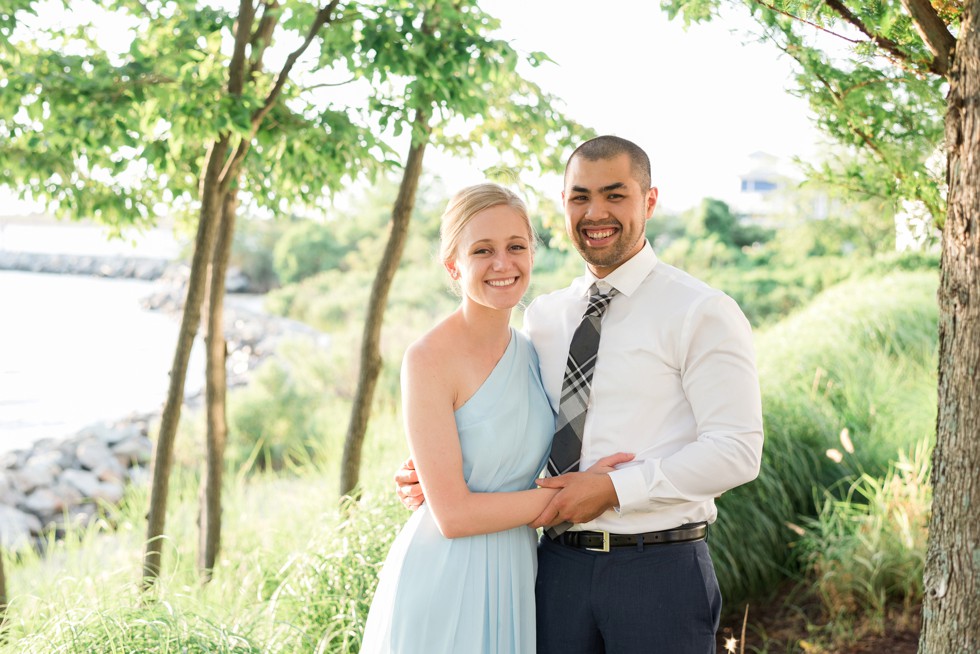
[[787, 626]]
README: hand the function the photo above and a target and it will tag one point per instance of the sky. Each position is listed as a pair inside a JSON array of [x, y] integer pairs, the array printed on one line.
[[698, 100]]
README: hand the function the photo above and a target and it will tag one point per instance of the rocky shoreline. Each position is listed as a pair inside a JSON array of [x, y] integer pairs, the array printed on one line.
[[62, 481], [57, 482]]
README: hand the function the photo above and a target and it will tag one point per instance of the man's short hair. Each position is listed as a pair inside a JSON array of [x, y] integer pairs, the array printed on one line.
[[609, 147]]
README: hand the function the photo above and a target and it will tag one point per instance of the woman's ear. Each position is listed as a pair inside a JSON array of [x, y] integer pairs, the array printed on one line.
[[451, 269]]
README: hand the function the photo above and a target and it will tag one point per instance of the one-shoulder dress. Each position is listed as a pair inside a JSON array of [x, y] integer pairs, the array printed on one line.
[[474, 594]]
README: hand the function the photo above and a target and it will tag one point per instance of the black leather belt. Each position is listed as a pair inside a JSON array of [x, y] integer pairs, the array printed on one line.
[[602, 541]]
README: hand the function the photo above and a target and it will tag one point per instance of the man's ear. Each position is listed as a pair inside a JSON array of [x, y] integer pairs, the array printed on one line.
[[651, 201]]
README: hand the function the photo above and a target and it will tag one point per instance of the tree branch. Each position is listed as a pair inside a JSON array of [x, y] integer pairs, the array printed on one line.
[[900, 59], [263, 33], [868, 141], [934, 32], [231, 167], [884, 43], [806, 22], [328, 84], [322, 18], [236, 68]]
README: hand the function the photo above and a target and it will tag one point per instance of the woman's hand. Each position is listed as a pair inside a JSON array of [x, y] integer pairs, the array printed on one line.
[[608, 463], [407, 486]]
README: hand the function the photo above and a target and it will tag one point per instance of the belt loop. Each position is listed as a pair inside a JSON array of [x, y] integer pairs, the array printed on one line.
[[639, 543]]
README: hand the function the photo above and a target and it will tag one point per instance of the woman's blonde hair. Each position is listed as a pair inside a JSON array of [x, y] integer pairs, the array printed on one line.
[[467, 203]]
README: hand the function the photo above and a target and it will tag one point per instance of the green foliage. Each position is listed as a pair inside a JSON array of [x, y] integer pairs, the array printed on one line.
[[860, 357], [121, 135], [306, 248], [326, 592], [867, 550], [292, 413], [252, 250], [769, 287], [441, 58], [272, 422], [158, 629]]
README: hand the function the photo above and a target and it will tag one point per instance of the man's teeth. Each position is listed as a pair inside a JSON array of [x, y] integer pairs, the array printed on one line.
[[501, 282], [598, 236]]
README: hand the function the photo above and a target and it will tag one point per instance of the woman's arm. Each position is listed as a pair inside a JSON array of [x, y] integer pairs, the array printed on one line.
[[427, 404]]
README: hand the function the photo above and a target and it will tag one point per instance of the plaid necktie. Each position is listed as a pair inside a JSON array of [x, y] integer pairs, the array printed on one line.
[[566, 447]]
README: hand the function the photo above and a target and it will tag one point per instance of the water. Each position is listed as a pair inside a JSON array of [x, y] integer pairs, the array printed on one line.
[[76, 350]]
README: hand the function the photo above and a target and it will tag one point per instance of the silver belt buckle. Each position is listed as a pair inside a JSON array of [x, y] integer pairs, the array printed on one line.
[[605, 543]]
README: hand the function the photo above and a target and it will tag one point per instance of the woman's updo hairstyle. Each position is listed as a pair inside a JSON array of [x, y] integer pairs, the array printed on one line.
[[469, 202]]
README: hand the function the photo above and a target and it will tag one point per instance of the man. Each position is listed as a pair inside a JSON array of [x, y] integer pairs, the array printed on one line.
[[675, 383]]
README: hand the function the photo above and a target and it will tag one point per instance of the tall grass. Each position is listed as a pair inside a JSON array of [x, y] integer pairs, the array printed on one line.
[[296, 571], [861, 357], [867, 550]]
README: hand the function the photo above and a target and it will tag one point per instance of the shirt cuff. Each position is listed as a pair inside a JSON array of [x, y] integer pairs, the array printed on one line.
[[631, 489]]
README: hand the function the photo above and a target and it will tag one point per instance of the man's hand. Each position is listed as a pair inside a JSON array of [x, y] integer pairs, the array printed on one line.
[[407, 486], [582, 496]]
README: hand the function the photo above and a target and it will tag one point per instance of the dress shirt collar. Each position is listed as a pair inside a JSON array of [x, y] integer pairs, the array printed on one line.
[[625, 279]]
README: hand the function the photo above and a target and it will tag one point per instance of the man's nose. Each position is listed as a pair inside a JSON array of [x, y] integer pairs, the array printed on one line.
[[596, 209]]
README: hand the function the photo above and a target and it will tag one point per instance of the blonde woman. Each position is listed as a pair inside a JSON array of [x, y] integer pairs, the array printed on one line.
[[460, 575]]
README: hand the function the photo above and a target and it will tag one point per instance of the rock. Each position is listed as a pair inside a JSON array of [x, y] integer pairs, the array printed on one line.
[[111, 470], [68, 494], [27, 479], [103, 432], [10, 460], [133, 450], [16, 528], [77, 517], [138, 476], [49, 458], [109, 491], [87, 483], [92, 453], [9, 495], [237, 281], [43, 502]]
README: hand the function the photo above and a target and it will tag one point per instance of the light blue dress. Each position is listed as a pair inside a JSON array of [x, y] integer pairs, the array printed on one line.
[[474, 594]]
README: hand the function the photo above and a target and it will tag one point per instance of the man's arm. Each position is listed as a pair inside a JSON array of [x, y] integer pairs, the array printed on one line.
[[721, 384]]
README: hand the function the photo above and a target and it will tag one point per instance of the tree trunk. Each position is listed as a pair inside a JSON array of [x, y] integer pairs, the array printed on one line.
[[951, 609], [190, 320], [215, 391], [370, 367]]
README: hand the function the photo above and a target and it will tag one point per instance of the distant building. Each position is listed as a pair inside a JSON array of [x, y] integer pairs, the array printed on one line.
[[769, 194]]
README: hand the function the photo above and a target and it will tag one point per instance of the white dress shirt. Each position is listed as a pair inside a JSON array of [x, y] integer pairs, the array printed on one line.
[[675, 384]]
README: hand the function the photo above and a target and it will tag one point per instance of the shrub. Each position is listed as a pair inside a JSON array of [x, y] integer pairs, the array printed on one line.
[[867, 550], [306, 248], [861, 357], [324, 594]]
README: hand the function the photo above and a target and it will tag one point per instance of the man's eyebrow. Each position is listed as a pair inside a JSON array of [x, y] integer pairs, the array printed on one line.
[[603, 189]]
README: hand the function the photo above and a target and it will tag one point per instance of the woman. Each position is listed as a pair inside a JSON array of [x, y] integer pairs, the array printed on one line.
[[460, 575]]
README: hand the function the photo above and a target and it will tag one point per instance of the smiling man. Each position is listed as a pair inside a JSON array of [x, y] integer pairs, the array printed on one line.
[[636, 356]]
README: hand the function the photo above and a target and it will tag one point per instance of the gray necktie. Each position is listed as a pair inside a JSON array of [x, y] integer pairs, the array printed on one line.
[[566, 447]]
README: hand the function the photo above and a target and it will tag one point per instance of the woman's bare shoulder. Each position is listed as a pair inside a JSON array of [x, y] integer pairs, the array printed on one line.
[[436, 351]]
